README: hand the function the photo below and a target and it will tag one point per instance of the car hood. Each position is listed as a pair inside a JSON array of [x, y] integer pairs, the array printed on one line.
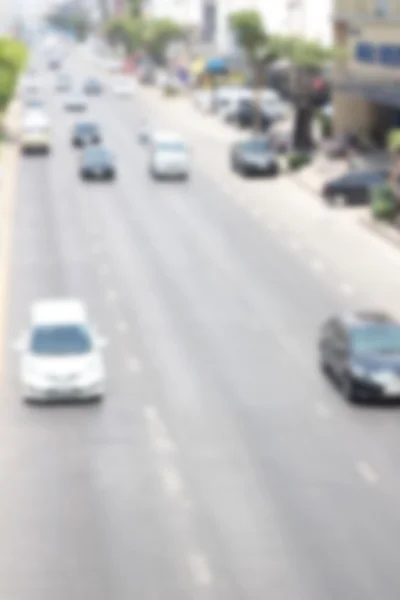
[[258, 157], [373, 361], [66, 366], [171, 157]]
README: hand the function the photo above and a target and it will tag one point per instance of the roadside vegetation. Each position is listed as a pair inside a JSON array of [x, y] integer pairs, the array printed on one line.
[[13, 56]]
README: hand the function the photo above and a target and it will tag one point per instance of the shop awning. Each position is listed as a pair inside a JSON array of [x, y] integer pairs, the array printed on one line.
[[217, 66], [386, 94]]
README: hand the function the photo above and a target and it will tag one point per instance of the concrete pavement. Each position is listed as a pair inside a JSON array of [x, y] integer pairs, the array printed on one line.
[[221, 465]]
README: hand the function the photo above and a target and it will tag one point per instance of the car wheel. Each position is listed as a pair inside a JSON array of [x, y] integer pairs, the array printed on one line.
[[349, 389], [338, 200]]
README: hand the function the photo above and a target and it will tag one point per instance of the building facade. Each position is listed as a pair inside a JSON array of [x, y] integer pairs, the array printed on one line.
[[367, 77], [185, 12]]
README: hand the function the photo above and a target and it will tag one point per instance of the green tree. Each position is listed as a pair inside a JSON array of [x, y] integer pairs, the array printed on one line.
[[248, 29], [135, 7], [158, 33], [125, 30], [13, 56]]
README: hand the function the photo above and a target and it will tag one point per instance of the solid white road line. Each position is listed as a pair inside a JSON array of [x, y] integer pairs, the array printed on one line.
[[367, 472], [200, 569]]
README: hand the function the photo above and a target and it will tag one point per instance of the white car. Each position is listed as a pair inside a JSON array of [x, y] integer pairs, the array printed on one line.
[[123, 87], [61, 354], [169, 156], [35, 132], [76, 103]]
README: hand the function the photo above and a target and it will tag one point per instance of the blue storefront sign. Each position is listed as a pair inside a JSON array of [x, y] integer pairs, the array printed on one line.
[[387, 55]]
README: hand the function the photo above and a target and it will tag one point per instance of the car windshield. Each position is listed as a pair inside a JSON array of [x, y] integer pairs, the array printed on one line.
[[60, 340], [376, 338], [95, 155], [171, 147], [256, 146], [86, 128]]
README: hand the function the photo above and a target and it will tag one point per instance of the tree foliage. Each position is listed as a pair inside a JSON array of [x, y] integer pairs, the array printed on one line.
[[134, 8], [158, 33], [13, 56], [248, 29], [127, 31], [134, 33]]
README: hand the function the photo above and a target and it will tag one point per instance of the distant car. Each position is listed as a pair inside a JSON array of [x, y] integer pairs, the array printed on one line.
[[85, 133], [361, 351], [54, 64], [123, 87], [93, 87], [169, 156], [355, 187], [35, 133], [254, 157], [34, 103], [76, 103], [248, 114], [63, 83], [61, 354], [97, 163]]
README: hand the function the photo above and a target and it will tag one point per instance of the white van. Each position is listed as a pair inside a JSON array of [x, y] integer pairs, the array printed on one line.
[[35, 134]]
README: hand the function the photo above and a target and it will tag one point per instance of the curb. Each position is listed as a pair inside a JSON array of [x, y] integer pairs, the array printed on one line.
[[383, 231]]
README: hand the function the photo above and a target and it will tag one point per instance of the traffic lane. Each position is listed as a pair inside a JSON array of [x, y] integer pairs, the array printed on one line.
[[51, 543], [328, 241], [62, 452], [305, 466], [139, 518]]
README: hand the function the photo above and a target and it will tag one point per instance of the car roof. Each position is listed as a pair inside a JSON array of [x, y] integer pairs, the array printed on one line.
[[166, 136], [58, 312], [364, 318]]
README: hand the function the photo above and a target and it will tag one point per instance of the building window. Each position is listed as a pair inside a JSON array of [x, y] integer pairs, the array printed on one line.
[[365, 52]]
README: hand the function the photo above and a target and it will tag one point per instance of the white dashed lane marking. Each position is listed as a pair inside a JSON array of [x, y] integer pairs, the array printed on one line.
[[367, 473], [200, 569], [112, 295], [134, 365], [122, 326], [317, 265]]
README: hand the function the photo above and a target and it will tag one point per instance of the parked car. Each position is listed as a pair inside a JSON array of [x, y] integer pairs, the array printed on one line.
[[361, 352], [85, 133], [355, 187], [97, 163], [254, 157], [248, 113]]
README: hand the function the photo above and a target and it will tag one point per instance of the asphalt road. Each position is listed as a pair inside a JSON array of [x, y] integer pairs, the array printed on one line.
[[221, 465]]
